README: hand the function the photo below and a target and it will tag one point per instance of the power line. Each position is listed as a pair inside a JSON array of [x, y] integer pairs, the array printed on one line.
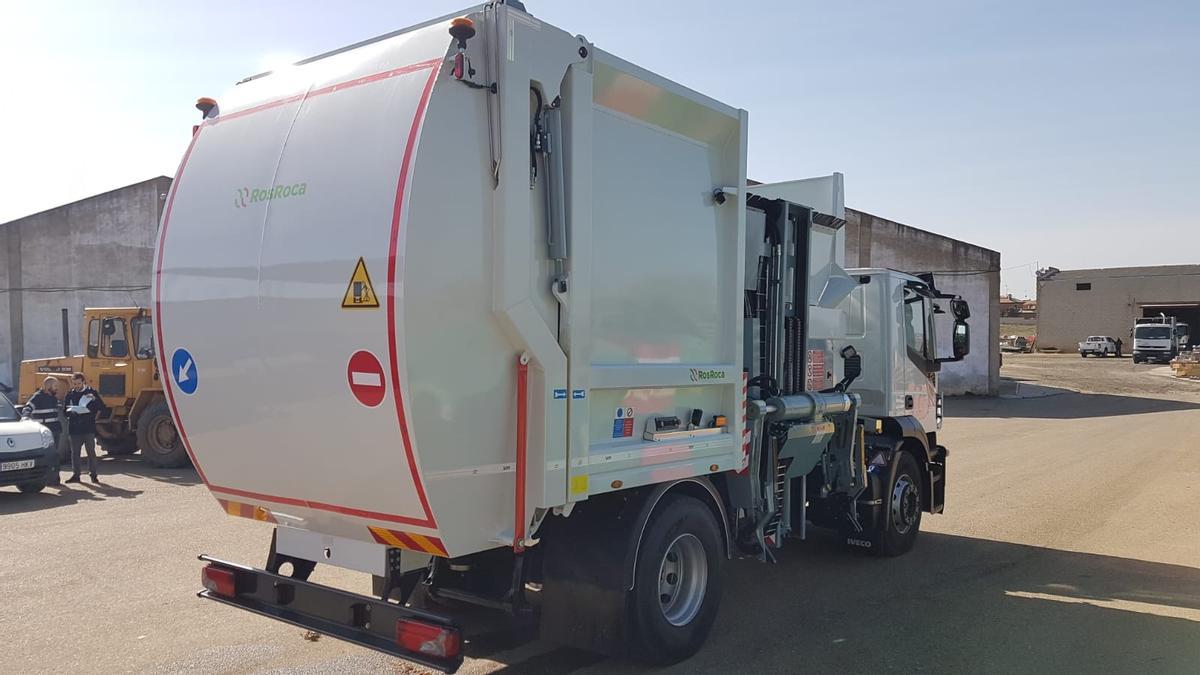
[[68, 289]]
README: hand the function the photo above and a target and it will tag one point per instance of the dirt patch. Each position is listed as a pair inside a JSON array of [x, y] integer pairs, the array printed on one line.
[[1108, 375]]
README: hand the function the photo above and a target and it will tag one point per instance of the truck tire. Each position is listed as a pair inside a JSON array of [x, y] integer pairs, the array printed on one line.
[[677, 585], [31, 488], [158, 439], [902, 508]]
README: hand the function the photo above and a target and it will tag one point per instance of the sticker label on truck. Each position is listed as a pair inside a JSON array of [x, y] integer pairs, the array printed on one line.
[[815, 370], [623, 422]]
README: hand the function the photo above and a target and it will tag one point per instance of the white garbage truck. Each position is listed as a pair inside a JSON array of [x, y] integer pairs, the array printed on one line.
[[1159, 338], [488, 314]]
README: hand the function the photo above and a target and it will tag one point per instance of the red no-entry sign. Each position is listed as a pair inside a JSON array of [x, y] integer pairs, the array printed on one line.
[[364, 374]]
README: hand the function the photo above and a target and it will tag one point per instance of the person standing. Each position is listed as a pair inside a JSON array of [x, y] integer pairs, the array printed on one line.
[[1119, 345], [82, 403], [43, 407]]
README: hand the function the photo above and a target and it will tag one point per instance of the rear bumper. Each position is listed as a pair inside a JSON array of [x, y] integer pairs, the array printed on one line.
[[365, 621], [45, 467]]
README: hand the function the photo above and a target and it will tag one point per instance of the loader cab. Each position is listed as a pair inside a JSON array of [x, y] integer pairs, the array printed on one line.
[[119, 352]]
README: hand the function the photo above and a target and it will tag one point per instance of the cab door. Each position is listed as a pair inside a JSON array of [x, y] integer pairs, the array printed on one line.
[[109, 355], [145, 368], [920, 372]]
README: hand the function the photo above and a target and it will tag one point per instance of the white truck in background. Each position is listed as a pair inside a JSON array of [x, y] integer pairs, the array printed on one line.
[[1098, 345], [570, 363], [1159, 339]]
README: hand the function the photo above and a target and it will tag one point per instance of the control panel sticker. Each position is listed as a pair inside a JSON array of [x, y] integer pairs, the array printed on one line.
[[815, 370], [623, 422]]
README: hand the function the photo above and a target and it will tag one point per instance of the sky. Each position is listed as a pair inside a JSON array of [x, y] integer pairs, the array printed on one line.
[[1061, 134]]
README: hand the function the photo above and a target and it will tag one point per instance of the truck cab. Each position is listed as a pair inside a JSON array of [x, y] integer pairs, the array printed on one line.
[[1159, 339], [892, 320]]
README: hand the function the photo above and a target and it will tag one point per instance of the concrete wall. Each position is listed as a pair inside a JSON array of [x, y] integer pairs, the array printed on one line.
[[961, 268], [96, 252], [1116, 298]]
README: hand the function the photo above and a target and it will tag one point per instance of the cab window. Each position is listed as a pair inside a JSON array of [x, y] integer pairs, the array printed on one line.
[[114, 341], [915, 325], [93, 346], [143, 336]]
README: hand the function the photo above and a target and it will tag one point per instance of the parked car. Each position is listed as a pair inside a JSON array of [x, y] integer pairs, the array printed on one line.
[[1016, 343], [28, 458], [1098, 345]]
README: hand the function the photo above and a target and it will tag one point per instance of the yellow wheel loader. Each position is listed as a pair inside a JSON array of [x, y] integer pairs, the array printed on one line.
[[119, 362]]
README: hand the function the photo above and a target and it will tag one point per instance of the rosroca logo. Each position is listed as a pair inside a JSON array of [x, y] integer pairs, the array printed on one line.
[[702, 375], [244, 197]]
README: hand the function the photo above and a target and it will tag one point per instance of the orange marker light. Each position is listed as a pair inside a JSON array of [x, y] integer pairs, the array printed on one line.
[[461, 29]]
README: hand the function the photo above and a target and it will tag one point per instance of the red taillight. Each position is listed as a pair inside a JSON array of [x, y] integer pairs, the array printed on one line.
[[428, 638], [219, 580]]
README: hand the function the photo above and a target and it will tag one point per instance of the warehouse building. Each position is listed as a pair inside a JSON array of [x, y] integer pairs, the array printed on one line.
[[95, 252], [1073, 304]]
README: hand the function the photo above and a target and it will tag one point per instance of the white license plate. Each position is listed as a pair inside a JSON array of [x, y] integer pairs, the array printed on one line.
[[16, 466]]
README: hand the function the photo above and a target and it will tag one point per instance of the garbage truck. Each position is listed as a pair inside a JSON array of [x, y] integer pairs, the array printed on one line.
[[1159, 338], [532, 345]]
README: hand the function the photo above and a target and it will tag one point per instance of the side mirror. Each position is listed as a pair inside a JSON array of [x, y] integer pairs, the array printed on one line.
[[961, 311], [960, 342]]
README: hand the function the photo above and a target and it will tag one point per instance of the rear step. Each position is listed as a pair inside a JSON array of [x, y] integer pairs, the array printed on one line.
[[411, 634]]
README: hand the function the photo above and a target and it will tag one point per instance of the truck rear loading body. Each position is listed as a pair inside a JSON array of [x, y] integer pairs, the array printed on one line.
[[581, 366]]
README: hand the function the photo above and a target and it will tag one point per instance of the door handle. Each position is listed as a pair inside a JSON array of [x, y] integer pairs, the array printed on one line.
[[908, 402]]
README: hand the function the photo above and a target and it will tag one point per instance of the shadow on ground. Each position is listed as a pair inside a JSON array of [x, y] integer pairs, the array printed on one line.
[[55, 496], [109, 467], [1056, 403], [134, 465], [954, 605]]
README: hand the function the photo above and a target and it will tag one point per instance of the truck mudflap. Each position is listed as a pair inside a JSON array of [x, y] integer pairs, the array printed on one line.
[[414, 635]]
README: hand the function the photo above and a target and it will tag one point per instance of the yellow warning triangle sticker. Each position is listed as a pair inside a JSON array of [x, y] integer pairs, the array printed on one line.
[[360, 294]]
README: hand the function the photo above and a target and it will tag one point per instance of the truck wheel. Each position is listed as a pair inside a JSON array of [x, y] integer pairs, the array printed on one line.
[[677, 584], [1083, 355], [158, 439], [31, 488], [902, 508]]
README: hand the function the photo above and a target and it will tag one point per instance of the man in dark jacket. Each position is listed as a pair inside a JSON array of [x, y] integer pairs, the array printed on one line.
[[82, 403], [44, 407]]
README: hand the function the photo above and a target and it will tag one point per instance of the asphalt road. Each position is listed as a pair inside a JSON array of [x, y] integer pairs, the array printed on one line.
[[1071, 543]]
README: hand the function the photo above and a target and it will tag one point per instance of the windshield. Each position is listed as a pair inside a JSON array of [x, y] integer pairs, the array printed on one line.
[[7, 412], [1152, 332]]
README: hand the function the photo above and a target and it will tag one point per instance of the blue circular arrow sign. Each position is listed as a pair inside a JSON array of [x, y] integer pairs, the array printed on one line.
[[183, 371]]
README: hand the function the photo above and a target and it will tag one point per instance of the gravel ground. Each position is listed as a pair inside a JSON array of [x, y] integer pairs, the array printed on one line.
[[1108, 375], [1069, 544]]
